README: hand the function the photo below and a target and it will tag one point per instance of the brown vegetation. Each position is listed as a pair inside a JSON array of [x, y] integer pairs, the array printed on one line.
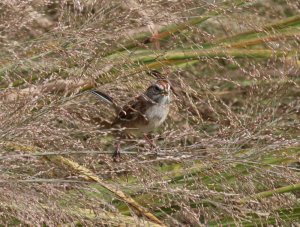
[[229, 151]]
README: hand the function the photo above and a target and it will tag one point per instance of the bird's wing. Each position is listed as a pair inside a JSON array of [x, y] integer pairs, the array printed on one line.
[[134, 111]]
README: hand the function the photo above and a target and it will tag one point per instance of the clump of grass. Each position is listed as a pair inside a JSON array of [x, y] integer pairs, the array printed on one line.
[[229, 152]]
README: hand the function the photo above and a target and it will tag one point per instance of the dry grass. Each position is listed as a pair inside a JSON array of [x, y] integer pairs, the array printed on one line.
[[229, 152]]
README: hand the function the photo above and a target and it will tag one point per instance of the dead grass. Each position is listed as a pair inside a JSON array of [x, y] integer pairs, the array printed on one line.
[[233, 131]]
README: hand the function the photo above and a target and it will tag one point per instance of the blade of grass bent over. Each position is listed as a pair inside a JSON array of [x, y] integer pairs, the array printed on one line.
[[190, 54], [264, 194], [281, 25]]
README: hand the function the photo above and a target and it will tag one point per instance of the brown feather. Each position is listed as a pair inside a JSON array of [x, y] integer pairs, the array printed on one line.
[[131, 115]]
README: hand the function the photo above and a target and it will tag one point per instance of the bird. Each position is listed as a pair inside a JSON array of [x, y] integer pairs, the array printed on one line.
[[142, 114]]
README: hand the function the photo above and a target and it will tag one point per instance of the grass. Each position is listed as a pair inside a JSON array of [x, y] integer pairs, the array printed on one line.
[[229, 151]]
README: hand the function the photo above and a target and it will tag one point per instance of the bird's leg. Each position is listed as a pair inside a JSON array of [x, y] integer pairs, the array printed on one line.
[[117, 154], [151, 143]]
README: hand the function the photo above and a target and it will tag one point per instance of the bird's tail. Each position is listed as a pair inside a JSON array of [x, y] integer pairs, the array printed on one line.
[[106, 98]]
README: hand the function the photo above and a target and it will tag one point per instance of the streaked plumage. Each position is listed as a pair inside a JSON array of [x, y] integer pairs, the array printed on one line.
[[144, 113]]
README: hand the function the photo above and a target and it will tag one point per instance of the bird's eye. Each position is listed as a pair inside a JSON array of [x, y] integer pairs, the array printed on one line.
[[157, 88]]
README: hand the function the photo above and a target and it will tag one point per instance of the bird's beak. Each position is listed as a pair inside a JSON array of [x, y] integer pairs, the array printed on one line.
[[165, 93]]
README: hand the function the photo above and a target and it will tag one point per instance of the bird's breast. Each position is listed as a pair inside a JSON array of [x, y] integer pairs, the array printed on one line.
[[156, 115]]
